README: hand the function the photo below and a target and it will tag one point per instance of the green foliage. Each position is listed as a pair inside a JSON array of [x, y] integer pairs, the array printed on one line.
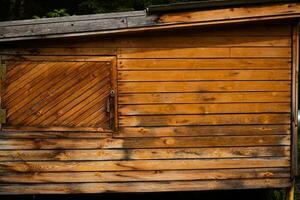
[[25, 9], [57, 13]]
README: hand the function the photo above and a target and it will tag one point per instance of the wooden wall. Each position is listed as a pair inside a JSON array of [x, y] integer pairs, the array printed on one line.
[[197, 110]]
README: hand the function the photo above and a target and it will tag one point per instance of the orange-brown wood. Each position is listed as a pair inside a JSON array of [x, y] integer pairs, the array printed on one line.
[[193, 109]]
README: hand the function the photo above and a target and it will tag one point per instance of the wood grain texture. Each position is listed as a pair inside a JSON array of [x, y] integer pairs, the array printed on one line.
[[230, 14], [203, 130], [215, 63], [238, 97], [173, 109], [57, 94], [144, 154], [143, 186], [144, 165], [264, 52], [203, 86], [204, 75], [130, 176], [198, 109], [162, 142]]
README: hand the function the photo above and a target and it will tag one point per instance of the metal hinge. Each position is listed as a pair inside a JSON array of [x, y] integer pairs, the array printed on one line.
[[2, 71], [2, 116]]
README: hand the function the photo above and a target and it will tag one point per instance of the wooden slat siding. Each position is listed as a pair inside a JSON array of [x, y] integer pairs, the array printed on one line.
[[130, 176], [47, 88], [210, 41], [205, 75], [60, 51], [186, 40], [131, 24], [269, 33], [238, 97], [203, 130], [188, 63], [52, 134], [183, 164], [163, 142], [169, 109], [229, 13], [144, 154], [209, 52], [162, 186], [156, 132], [204, 86], [213, 119], [172, 156]]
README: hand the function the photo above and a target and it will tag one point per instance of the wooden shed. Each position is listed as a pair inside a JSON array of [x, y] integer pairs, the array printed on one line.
[[198, 96]]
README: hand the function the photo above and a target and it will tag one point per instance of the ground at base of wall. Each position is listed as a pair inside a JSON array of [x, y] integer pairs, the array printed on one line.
[[211, 195]]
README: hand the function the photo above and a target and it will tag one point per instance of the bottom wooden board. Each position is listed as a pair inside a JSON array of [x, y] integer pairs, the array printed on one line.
[[163, 186]]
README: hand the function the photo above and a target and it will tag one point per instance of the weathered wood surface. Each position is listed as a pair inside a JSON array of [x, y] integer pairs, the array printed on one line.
[[236, 97], [187, 63], [201, 130], [163, 186], [219, 118], [118, 23], [130, 176], [57, 94], [182, 164], [143, 154], [208, 52], [162, 142]]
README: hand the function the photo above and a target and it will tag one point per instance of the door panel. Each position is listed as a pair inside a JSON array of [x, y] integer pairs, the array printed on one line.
[[59, 95]]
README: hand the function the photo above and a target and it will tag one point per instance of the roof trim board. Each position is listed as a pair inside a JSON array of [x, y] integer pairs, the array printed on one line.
[[138, 21], [208, 4]]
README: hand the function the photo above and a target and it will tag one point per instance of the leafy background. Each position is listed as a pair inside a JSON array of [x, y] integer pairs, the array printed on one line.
[[27, 9]]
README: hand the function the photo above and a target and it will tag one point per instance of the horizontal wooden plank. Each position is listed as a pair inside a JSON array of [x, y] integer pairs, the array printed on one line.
[[144, 165], [263, 52], [143, 154], [143, 186], [238, 97], [162, 142], [49, 134], [230, 13], [204, 86], [203, 130], [63, 27], [188, 63], [129, 176], [171, 109], [193, 120], [204, 75], [11, 59], [59, 51], [167, 41]]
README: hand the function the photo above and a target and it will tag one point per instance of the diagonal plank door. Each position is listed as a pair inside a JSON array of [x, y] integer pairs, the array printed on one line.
[[58, 95]]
